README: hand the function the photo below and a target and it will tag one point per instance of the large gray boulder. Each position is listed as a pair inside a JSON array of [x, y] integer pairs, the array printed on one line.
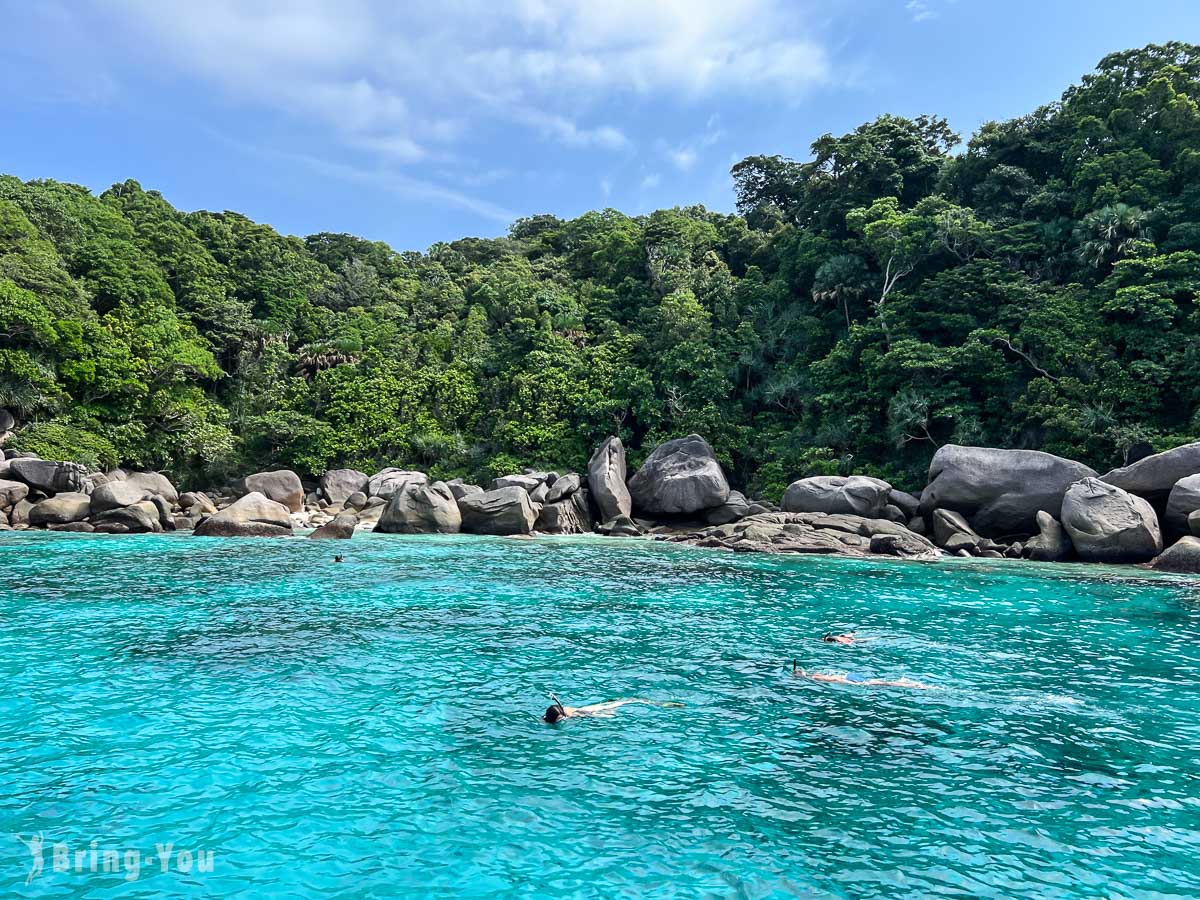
[[856, 495], [503, 511], [952, 532], [153, 482], [116, 494], [563, 487], [1193, 523], [461, 489], [282, 486], [337, 485], [1154, 476], [905, 502], [19, 514], [253, 515], [1183, 500], [1182, 556], [606, 480], [1051, 543], [197, 503], [340, 528], [141, 517], [528, 482], [999, 491], [421, 509], [12, 492], [680, 477], [66, 507], [387, 481], [47, 476], [1107, 524], [570, 515], [735, 507]]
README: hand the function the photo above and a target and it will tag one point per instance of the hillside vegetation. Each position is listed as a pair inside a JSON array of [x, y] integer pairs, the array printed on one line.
[[1034, 288]]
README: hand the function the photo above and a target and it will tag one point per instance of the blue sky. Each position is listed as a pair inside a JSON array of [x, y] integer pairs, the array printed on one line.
[[419, 122]]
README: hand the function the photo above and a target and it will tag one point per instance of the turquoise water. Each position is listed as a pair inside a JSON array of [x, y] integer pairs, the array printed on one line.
[[370, 728]]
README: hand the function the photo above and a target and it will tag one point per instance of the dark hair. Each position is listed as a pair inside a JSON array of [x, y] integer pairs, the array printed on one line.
[[828, 637], [553, 714]]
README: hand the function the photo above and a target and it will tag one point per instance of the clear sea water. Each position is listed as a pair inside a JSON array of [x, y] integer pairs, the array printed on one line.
[[371, 728]]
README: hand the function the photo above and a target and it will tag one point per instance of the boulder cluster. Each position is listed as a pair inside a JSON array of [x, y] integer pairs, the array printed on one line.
[[977, 501]]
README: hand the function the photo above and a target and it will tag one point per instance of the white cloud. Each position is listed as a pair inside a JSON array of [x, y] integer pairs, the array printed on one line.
[[651, 181], [606, 187], [402, 77], [919, 10], [684, 156], [401, 85]]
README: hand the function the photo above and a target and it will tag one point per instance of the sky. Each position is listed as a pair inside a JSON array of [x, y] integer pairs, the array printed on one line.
[[420, 122]]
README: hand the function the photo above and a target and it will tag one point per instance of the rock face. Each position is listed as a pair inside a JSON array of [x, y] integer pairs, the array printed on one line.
[[503, 511], [61, 508], [155, 483], [1183, 500], [528, 482], [386, 482], [253, 515], [137, 518], [1051, 543], [1107, 524], [999, 491], [567, 516], [905, 502], [340, 528], [282, 486], [952, 532], [1193, 523], [421, 509], [1182, 556], [735, 507], [853, 496], [196, 502], [680, 477], [459, 489], [1154, 476], [337, 485], [606, 480], [813, 533], [116, 494], [563, 487], [12, 492], [47, 476]]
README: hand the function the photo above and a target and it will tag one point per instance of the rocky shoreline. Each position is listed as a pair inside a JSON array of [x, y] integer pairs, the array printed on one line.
[[978, 501]]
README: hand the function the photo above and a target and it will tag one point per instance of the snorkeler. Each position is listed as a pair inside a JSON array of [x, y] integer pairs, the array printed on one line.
[[605, 710], [861, 680], [846, 640]]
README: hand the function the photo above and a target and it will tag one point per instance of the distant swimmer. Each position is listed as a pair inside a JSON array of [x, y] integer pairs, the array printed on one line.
[[339, 559], [846, 640], [857, 679], [605, 710]]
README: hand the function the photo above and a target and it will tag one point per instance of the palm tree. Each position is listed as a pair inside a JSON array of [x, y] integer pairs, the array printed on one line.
[[841, 278], [1109, 233]]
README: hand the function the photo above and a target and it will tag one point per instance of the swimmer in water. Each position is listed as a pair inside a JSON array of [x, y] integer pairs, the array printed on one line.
[[339, 559], [861, 680], [557, 711], [846, 640]]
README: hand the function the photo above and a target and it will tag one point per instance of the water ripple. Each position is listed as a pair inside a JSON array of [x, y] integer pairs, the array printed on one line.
[[371, 727]]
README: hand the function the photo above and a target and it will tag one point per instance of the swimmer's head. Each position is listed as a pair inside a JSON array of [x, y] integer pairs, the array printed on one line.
[[828, 637], [553, 713]]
